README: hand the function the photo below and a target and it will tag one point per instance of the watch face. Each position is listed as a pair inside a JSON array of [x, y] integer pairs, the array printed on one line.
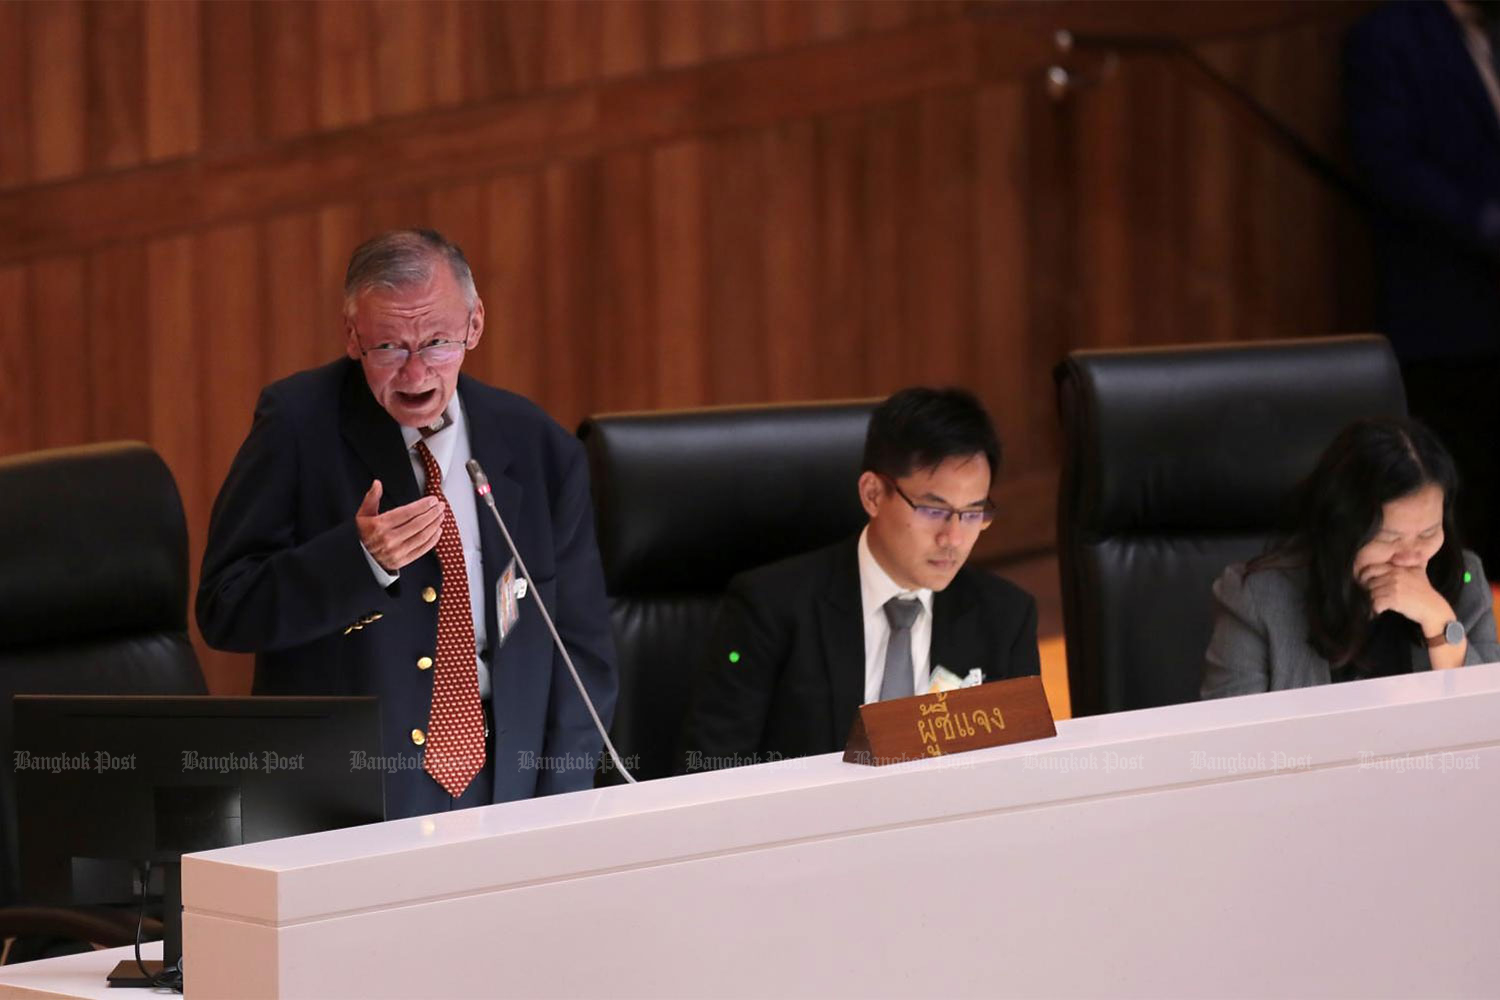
[[1454, 633]]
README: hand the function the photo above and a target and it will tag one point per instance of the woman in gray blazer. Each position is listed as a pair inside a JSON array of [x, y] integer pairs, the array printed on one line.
[[1371, 582]]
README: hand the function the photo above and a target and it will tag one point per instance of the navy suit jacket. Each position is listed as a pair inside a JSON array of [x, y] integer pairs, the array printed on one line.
[[799, 673], [1427, 141], [284, 577]]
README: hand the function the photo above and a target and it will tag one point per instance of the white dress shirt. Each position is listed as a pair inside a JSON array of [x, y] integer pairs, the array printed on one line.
[[450, 447], [875, 588]]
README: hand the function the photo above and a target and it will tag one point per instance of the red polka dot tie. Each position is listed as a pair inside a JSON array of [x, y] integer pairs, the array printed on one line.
[[455, 726]]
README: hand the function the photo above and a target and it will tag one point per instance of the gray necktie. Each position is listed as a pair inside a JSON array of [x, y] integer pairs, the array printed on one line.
[[897, 682]]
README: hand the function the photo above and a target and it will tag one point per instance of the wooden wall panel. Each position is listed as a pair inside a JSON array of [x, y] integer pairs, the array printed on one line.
[[15, 140], [680, 266], [116, 94], [666, 204], [286, 35], [511, 353], [345, 61], [1005, 365], [299, 332], [735, 300], [59, 342], [791, 263], [623, 358], [117, 363], [17, 358], [841, 308], [58, 88], [234, 78], [173, 98]]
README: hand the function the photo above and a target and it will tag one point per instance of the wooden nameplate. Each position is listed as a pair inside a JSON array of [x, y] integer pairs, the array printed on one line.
[[934, 725]]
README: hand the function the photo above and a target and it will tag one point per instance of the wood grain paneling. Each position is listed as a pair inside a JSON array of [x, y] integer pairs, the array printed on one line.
[[666, 204], [735, 319], [17, 359], [233, 77], [287, 37], [624, 356], [15, 140], [116, 107], [299, 333], [58, 315], [57, 85], [117, 363], [511, 353], [173, 95], [679, 256], [790, 158]]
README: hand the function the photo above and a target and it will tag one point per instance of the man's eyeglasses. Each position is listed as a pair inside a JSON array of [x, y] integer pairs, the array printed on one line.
[[438, 351], [932, 514]]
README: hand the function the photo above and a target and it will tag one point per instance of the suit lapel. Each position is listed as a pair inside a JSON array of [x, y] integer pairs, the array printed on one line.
[[1468, 85], [953, 618], [376, 439], [840, 622], [487, 446]]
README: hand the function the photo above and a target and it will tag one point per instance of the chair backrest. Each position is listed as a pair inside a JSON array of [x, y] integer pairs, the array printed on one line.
[[1177, 462], [93, 589], [686, 499]]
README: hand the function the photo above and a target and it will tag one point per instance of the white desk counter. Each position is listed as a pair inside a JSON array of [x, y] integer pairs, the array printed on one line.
[[1329, 841]]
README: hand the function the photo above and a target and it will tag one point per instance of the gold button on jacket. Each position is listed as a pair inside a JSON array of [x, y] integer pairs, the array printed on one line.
[[429, 595], [418, 737], [425, 663]]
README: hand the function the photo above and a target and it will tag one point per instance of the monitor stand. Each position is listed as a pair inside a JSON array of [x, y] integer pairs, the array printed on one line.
[[128, 972]]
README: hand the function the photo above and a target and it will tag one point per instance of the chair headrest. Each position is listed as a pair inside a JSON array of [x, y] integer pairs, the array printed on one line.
[[1212, 438], [94, 543], [686, 499]]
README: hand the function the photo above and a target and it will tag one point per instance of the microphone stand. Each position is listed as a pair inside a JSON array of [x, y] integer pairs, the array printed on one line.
[[482, 487]]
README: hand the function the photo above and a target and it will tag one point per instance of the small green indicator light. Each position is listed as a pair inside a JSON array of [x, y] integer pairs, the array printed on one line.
[[734, 656], [1468, 577]]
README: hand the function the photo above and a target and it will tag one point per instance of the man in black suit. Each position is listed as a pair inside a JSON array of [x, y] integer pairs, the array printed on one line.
[[892, 612], [348, 552], [1422, 90]]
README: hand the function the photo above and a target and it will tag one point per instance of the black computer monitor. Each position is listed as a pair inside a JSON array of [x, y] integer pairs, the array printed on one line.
[[134, 779]]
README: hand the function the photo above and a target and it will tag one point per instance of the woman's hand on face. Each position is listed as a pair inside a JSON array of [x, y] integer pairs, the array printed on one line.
[[1406, 591]]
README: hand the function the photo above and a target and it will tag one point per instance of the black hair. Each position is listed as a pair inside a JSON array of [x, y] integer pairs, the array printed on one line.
[[918, 428], [1370, 463]]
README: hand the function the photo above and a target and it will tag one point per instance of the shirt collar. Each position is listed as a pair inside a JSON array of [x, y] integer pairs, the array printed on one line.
[[440, 443], [876, 586]]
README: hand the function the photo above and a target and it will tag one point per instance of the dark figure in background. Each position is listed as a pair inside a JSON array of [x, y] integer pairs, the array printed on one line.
[[1371, 581], [1422, 90], [892, 612], [347, 550]]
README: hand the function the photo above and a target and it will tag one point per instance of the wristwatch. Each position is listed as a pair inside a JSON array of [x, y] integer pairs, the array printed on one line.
[[1451, 635]]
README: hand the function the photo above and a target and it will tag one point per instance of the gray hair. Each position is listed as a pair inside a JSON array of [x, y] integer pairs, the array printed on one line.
[[402, 258]]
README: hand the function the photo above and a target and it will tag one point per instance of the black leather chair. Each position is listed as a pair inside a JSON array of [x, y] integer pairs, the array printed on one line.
[[684, 500], [93, 600], [1177, 462]]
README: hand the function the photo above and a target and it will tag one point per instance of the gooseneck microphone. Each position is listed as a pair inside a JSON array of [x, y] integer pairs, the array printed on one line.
[[482, 487]]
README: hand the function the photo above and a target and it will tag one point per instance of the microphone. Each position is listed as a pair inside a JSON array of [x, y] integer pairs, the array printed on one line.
[[482, 487]]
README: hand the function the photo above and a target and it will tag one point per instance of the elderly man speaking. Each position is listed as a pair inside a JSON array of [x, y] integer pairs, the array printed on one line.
[[347, 550]]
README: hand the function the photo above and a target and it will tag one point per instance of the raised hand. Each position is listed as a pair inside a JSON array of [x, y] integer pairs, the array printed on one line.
[[401, 535], [1406, 591]]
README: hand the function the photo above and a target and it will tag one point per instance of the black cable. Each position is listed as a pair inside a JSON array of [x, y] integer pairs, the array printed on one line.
[[167, 978], [140, 920]]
